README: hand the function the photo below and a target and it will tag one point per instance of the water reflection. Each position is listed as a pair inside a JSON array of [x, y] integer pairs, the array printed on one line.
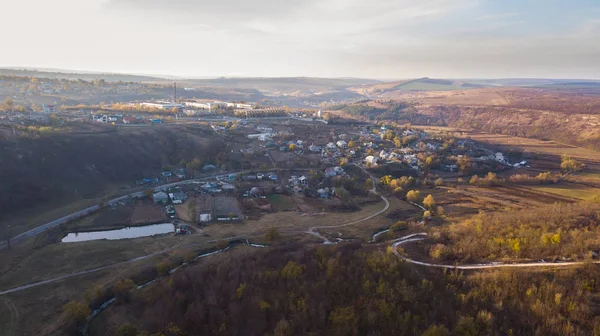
[[125, 233]]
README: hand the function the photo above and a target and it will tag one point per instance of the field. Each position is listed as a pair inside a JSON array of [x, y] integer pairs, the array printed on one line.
[[282, 202], [571, 190]]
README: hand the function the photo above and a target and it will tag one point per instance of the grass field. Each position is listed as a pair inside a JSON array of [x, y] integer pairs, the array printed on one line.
[[570, 190], [282, 202]]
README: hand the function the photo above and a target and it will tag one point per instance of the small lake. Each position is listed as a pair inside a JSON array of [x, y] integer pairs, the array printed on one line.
[[125, 233]]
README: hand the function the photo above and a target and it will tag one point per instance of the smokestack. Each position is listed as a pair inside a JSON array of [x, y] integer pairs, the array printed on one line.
[[175, 92]]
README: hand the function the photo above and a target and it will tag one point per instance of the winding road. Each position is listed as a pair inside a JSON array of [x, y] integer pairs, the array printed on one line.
[[47, 226], [422, 236], [312, 230]]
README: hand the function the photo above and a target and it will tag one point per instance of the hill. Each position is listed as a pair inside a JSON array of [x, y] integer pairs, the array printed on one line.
[[351, 289], [420, 84], [67, 74], [71, 165]]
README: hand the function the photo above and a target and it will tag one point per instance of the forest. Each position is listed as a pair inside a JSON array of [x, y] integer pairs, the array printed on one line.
[[554, 232], [389, 110], [353, 289]]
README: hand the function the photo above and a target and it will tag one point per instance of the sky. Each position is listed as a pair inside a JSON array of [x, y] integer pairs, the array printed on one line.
[[384, 39]]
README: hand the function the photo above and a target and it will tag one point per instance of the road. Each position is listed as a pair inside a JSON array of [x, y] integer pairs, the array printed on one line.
[[422, 236], [82, 213], [312, 230]]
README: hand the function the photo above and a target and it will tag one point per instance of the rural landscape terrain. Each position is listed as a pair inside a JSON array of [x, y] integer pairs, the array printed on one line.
[[143, 205]]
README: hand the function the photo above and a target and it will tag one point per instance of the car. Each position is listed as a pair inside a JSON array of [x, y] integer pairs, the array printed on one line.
[[260, 176]]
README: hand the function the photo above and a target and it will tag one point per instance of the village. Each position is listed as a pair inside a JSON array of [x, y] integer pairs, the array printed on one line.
[[301, 167]]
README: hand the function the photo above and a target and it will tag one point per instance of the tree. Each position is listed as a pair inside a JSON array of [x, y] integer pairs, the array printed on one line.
[[127, 330], [474, 180], [9, 104], [429, 202], [570, 165], [428, 161], [292, 147], [77, 312], [368, 184], [439, 182], [436, 330], [413, 196], [272, 234], [344, 320], [464, 164], [352, 144], [282, 328]]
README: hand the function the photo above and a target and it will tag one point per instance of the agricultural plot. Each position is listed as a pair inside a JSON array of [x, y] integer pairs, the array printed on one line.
[[282, 202], [570, 190]]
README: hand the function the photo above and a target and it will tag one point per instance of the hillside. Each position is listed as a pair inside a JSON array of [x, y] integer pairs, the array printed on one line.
[[57, 168], [420, 84], [353, 290], [67, 74], [568, 116]]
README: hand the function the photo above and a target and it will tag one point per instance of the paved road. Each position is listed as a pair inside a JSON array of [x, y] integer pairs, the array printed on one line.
[[311, 231], [422, 236], [82, 213]]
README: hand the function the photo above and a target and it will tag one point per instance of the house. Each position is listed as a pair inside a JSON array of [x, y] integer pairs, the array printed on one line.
[[255, 192], [338, 170], [371, 160], [450, 168], [48, 108], [314, 149], [208, 167], [170, 210], [177, 197], [228, 187], [410, 159], [329, 172], [180, 173], [383, 155], [210, 187], [342, 144], [330, 145], [323, 193], [160, 197], [129, 120]]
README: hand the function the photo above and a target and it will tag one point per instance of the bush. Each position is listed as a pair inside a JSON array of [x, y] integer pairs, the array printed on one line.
[[77, 312], [127, 330], [272, 234]]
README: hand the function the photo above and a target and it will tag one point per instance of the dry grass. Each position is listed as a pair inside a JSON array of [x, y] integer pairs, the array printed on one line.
[[25, 265], [570, 190]]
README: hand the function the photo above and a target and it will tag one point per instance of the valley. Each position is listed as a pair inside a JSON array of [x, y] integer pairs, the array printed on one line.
[[343, 215]]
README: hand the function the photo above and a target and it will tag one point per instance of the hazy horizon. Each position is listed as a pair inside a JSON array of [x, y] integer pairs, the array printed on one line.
[[384, 39]]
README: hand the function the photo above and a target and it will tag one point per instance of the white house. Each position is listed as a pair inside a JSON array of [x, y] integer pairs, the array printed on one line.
[[342, 144], [371, 160]]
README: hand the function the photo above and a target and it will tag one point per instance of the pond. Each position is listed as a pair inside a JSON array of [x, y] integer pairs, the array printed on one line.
[[125, 233]]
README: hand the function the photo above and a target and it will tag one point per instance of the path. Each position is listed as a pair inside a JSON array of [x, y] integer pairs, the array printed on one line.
[[82, 213], [312, 231], [422, 236]]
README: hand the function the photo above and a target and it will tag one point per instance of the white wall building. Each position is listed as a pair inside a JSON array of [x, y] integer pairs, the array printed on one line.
[[163, 105]]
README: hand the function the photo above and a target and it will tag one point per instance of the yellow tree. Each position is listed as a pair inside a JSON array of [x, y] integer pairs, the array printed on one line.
[[413, 195], [429, 202]]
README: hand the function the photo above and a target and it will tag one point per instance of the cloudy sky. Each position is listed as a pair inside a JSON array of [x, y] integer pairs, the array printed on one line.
[[326, 38]]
